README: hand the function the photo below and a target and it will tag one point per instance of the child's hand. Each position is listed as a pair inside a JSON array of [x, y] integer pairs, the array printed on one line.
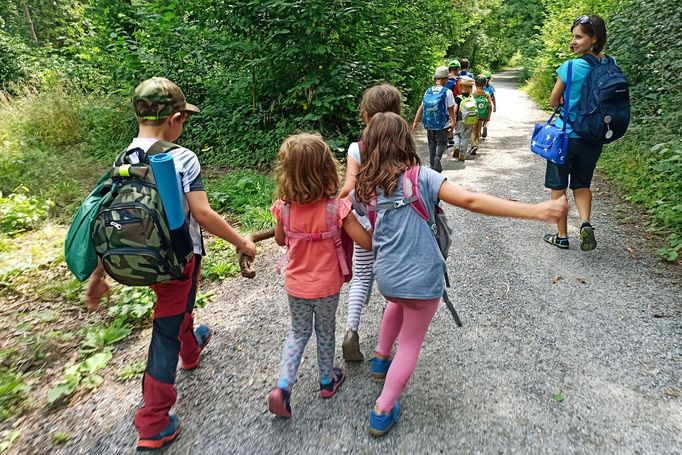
[[552, 211], [248, 248], [97, 287]]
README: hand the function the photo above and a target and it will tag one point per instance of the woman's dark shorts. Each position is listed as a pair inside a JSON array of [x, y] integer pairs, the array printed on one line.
[[581, 159]]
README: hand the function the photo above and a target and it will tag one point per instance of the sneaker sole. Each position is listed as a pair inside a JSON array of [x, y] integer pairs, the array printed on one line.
[[276, 404], [378, 433], [146, 445], [587, 240], [352, 355], [192, 365], [330, 393], [377, 377]]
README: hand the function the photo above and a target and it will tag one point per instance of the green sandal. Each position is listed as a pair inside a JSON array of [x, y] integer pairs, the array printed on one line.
[[559, 242]]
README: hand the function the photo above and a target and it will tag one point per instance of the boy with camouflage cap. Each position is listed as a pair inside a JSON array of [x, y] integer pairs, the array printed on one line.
[[161, 110]]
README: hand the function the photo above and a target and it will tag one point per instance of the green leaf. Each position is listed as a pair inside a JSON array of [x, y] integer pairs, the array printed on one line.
[[92, 382], [59, 392], [559, 396], [96, 362]]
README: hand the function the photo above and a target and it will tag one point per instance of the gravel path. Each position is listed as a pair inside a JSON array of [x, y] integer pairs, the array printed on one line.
[[602, 327]]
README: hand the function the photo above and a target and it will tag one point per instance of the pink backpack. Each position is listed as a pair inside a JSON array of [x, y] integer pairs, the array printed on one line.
[[342, 242]]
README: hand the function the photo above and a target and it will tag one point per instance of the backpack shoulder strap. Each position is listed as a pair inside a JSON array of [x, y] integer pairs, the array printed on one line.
[[591, 59], [335, 233], [159, 147], [411, 189]]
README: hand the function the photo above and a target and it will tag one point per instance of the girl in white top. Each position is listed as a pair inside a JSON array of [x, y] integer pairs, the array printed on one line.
[[380, 98]]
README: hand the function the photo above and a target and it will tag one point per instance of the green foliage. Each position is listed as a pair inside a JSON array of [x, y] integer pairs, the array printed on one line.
[[83, 374], [493, 30], [132, 371], [132, 305], [220, 262], [20, 212], [8, 438], [240, 190], [61, 438], [13, 394], [204, 299], [11, 69], [97, 338]]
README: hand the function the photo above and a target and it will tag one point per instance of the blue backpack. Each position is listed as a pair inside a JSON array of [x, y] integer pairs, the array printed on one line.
[[603, 112], [434, 109]]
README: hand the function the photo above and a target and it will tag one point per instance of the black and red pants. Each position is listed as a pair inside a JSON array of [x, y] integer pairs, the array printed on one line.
[[172, 338]]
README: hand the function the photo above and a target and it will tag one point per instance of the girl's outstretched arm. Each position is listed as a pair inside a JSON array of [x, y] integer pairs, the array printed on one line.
[[356, 232], [352, 169], [550, 211]]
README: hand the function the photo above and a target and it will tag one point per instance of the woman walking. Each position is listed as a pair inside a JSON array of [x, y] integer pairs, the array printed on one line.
[[589, 37]]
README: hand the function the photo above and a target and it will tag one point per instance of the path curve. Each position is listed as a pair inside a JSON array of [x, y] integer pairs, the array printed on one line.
[[603, 327]]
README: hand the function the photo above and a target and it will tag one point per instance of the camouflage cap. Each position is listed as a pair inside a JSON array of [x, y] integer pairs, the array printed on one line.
[[158, 98]]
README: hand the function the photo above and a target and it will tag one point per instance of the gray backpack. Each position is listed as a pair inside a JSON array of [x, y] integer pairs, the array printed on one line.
[[438, 223]]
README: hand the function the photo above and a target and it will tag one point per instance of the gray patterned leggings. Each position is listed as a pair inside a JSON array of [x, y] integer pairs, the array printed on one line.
[[303, 311]]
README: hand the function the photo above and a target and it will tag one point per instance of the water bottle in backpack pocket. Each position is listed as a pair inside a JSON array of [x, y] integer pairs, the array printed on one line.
[[603, 112]]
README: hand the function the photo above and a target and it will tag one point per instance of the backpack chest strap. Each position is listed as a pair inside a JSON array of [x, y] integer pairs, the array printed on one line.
[[393, 204]]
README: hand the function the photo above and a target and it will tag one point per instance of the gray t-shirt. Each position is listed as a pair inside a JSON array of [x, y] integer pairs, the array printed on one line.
[[408, 263], [187, 165]]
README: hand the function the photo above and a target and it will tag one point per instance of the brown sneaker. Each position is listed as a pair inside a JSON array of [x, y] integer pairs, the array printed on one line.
[[351, 347], [455, 152]]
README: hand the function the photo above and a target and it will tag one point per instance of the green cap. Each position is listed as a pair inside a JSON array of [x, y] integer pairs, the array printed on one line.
[[158, 98], [487, 74], [454, 64]]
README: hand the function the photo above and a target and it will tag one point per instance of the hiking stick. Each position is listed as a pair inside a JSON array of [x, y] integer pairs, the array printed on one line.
[[246, 262]]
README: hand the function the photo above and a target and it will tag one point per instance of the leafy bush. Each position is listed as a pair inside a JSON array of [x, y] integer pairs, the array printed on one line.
[[20, 212], [13, 393], [240, 190]]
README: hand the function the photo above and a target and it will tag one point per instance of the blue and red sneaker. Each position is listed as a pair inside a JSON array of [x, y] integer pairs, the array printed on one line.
[[167, 436], [278, 402], [329, 390], [203, 335]]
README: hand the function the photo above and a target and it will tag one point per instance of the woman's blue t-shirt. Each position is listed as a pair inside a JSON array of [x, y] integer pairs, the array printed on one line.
[[408, 263], [580, 70]]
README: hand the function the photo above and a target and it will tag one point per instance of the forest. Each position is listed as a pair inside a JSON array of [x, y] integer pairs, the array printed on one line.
[[261, 70]]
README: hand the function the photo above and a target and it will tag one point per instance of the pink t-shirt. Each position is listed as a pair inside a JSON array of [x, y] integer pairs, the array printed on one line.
[[313, 270]]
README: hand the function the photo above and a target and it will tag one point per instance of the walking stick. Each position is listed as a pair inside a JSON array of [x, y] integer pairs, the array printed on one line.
[[246, 262]]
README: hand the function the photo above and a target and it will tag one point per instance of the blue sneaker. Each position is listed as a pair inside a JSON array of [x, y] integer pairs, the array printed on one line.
[[379, 368], [379, 424], [168, 435], [203, 335]]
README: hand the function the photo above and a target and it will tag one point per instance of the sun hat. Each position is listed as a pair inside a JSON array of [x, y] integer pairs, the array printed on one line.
[[441, 73]]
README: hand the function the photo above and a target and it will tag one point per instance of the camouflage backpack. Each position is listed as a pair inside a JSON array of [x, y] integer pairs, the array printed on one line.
[[131, 233]]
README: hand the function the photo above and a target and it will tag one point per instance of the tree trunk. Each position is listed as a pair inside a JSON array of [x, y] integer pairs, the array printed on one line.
[[29, 23]]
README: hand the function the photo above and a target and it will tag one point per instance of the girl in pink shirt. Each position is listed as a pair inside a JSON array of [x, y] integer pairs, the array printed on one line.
[[307, 185]]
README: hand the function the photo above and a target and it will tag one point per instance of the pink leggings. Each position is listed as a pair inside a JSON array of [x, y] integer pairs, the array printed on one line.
[[409, 322]]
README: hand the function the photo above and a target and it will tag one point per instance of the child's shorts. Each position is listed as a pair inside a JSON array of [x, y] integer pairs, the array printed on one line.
[[581, 159]]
